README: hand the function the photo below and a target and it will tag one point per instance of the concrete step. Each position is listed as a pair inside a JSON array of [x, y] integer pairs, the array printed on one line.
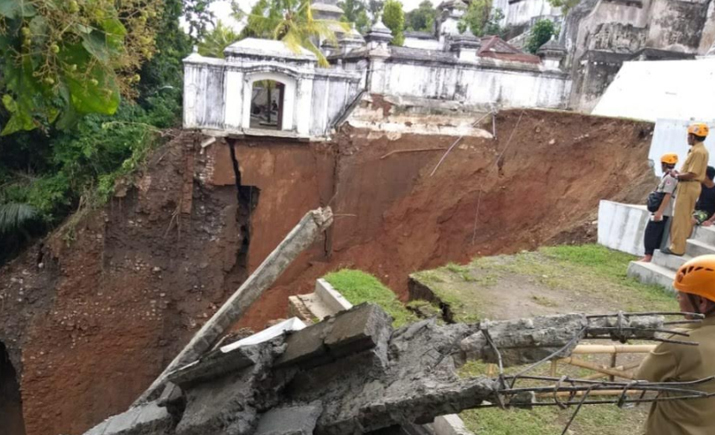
[[672, 262], [696, 248], [705, 235], [650, 273]]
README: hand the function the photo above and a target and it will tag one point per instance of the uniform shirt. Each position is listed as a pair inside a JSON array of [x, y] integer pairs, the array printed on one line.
[[668, 183], [682, 363], [697, 161], [706, 201]]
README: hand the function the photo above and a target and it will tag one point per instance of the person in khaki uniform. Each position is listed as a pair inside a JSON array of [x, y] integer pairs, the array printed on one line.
[[689, 178], [670, 362]]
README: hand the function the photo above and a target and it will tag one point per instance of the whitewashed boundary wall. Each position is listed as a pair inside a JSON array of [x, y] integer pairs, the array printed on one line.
[[218, 92]]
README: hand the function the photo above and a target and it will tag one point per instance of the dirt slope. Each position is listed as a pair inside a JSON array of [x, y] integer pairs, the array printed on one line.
[[89, 320]]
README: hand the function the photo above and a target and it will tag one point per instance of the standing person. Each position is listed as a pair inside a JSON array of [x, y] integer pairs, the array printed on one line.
[[705, 207], [670, 362], [659, 220], [689, 178]]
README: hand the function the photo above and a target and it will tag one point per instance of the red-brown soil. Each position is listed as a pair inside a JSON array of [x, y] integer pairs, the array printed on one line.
[[91, 318]]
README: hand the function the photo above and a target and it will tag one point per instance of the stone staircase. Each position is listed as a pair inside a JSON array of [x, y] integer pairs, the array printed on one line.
[[661, 271]]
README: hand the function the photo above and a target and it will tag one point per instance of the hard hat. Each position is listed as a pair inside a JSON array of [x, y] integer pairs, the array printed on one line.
[[697, 277], [698, 129], [669, 158]]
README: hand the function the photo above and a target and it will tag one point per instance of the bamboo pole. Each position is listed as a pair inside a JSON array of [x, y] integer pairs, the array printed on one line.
[[612, 349], [598, 368], [592, 393]]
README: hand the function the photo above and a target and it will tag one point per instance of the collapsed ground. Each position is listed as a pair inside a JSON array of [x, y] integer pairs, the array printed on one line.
[[553, 280], [99, 308]]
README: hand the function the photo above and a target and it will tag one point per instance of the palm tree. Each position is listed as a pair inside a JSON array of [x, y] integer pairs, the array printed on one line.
[[292, 22], [216, 41]]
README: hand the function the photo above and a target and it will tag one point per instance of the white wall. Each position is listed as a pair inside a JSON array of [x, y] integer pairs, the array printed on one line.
[[650, 90], [425, 44], [670, 136], [523, 11], [471, 84], [621, 226]]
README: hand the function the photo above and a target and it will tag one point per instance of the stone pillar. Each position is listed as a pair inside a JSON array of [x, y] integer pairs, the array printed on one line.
[[304, 101], [233, 117], [551, 54], [465, 46]]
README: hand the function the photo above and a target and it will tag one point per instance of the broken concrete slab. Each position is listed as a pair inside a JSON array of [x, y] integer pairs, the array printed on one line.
[[361, 328], [358, 329], [215, 364], [306, 345], [231, 402], [147, 419], [293, 420]]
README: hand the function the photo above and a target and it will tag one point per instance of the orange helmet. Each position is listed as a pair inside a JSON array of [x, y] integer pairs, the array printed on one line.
[[698, 129], [697, 277], [669, 158]]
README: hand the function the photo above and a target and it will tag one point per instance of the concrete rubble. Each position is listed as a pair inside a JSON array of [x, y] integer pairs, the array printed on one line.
[[353, 374]]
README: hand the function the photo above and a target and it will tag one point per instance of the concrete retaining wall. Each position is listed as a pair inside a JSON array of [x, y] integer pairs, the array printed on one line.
[[621, 226]]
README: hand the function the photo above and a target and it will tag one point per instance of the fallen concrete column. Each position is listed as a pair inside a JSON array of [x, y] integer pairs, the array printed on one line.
[[300, 238], [524, 341]]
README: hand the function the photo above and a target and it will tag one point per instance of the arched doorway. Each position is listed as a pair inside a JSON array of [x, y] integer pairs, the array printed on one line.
[[267, 103], [11, 420], [269, 100]]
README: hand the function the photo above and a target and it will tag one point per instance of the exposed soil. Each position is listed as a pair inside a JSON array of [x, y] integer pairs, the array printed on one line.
[[92, 315], [542, 187]]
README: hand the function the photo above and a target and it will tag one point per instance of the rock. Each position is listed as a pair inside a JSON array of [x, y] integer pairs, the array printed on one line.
[[295, 420]]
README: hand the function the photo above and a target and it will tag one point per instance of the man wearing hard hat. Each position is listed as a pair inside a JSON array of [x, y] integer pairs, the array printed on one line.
[[671, 362], [689, 178]]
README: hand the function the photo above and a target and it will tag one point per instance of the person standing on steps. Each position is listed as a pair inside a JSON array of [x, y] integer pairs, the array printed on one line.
[[671, 362], [660, 219], [704, 213], [689, 178]]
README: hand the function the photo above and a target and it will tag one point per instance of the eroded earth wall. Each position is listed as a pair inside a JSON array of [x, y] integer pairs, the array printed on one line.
[[93, 313]]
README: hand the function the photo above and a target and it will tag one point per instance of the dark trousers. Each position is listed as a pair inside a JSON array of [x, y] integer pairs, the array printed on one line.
[[654, 234]]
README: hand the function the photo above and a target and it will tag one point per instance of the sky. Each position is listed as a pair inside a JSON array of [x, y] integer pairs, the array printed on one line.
[[222, 9]]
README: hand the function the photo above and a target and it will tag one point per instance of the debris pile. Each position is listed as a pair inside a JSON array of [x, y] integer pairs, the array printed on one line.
[[352, 373]]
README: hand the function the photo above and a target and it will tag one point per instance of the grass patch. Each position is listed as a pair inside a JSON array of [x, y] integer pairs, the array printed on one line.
[[358, 287]]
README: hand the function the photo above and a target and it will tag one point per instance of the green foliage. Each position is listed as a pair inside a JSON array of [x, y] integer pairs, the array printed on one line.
[[216, 41], [539, 35], [14, 216], [62, 59], [394, 18], [358, 287], [292, 22], [565, 5], [481, 20], [355, 12], [57, 172], [423, 18]]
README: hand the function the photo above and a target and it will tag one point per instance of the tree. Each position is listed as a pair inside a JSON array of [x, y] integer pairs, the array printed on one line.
[[539, 35], [62, 59], [423, 18], [292, 22], [215, 42], [355, 12], [481, 19], [394, 18], [565, 5]]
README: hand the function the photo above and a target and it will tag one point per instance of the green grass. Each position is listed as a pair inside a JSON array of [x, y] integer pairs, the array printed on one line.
[[587, 272], [591, 420], [358, 287]]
